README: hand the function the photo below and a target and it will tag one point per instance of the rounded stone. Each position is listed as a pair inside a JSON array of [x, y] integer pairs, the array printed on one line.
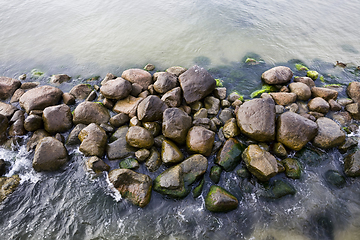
[[302, 90], [57, 118], [50, 155], [319, 104], [220, 200], [117, 89], [139, 137], [200, 140], [277, 75]]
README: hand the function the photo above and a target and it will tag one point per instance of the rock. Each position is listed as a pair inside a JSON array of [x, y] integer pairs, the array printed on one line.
[[40, 98], [225, 103], [172, 98], [158, 141], [7, 110], [352, 164], [119, 148], [215, 174], [229, 155], [139, 137], [302, 90], [17, 94], [259, 162], [142, 154], [226, 114], [176, 124], [57, 118], [354, 110], [334, 106], [279, 150], [334, 178], [324, 93], [212, 105], [200, 140], [119, 120], [153, 127], [73, 138], [134, 122], [154, 161], [8, 87], [277, 75], [353, 91], [139, 76], [318, 104], [35, 139], [33, 122], [292, 168], [50, 155], [128, 106], [136, 89], [4, 123], [280, 189], [236, 103], [344, 101], [220, 200], [116, 89], [256, 119], [151, 109], [348, 144], [29, 85], [198, 189], [129, 163], [90, 112], [91, 96], [60, 137], [108, 77], [2, 167], [176, 181], [165, 82], [231, 129], [93, 140], [294, 131], [135, 187], [149, 67], [329, 134], [203, 122], [220, 93], [68, 99], [176, 70], [97, 165], [283, 98], [59, 78], [81, 91], [202, 113], [109, 104], [312, 74], [17, 128], [306, 80], [8, 186], [196, 84], [170, 153]]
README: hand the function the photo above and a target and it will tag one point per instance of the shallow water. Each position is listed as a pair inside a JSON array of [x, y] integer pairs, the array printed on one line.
[[85, 39]]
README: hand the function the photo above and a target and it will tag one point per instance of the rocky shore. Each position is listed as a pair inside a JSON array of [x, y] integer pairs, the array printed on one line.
[[179, 118]]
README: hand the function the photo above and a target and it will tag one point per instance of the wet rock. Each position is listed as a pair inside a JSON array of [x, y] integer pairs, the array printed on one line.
[[57, 118], [7, 109], [154, 161], [4, 123], [172, 98], [35, 139], [220, 93], [135, 187], [118, 148], [158, 141], [202, 122], [196, 106], [109, 104], [318, 104], [81, 91], [349, 143], [353, 91], [256, 119], [142, 154], [229, 155], [8, 186], [68, 99], [220, 200], [176, 70], [108, 77], [352, 164], [198, 189], [308, 81], [153, 127], [97, 165], [324, 93], [176, 124], [93, 140], [59, 78], [136, 89], [202, 113], [2, 167], [8, 87], [334, 106], [243, 173], [329, 134], [294, 131], [119, 120], [116, 89], [231, 129], [17, 94], [129, 163], [139, 76], [236, 103], [279, 150], [165, 82], [233, 97], [283, 98], [279, 109], [29, 85], [170, 153], [139, 137], [73, 138], [176, 181], [196, 84], [302, 90], [334, 178], [90, 112], [212, 105], [280, 189], [40, 98], [50, 155], [17, 128], [354, 110], [33, 122], [277, 75], [151, 109], [259, 162], [215, 174], [200, 140], [344, 101], [134, 122], [292, 168]]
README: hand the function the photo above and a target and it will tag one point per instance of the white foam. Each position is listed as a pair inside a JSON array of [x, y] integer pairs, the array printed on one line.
[[113, 191]]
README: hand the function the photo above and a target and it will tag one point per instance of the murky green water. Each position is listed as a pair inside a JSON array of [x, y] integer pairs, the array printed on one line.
[[91, 38]]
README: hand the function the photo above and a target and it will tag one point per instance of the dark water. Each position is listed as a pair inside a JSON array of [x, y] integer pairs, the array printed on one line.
[[87, 39]]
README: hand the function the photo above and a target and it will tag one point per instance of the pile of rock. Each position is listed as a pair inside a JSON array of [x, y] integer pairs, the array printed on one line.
[[177, 118]]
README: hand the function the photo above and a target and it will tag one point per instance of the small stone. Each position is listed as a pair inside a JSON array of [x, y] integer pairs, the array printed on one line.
[[17, 94], [292, 108], [334, 106], [59, 78], [312, 74], [109, 104], [134, 122], [173, 97], [352, 164], [215, 174], [81, 91], [233, 97], [220, 93], [292, 168], [136, 89], [236, 103], [68, 99], [220, 200], [202, 113], [154, 161], [33, 123], [308, 81], [279, 150], [142, 154], [324, 93], [229, 155], [129, 163], [231, 128], [225, 103], [119, 120], [170, 153], [277, 75], [97, 165], [176, 70], [153, 127], [318, 104], [329, 134], [284, 99], [200, 140], [93, 140], [139, 76], [149, 67], [29, 85], [279, 109], [91, 96], [50, 155]]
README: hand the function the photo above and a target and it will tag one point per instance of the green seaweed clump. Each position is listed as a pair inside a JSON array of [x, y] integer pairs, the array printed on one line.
[[251, 61], [265, 89], [301, 67], [36, 73], [219, 82], [312, 74]]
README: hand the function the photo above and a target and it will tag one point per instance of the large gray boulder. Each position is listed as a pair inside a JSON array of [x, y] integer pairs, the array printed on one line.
[[176, 124], [196, 84], [277, 75], [200, 140], [118, 88], [151, 109], [57, 118], [93, 140], [135, 187], [40, 98], [90, 112], [256, 119], [8, 87], [329, 134], [353, 91], [139, 137], [165, 82], [118, 148], [50, 155], [139, 76], [294, 131]]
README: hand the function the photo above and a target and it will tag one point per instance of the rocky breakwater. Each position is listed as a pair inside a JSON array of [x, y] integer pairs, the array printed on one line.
[[176, 120]]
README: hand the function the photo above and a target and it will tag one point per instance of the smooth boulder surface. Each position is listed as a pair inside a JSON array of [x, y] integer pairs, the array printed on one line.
[[40, 98], [90, 112], [277, 75], [7, 110], [139, 137], [319, 104], [118, 88], [170, 153], [139, 76], [118, 148], [200, 140], [324, 93], [301, 90], [196, 84], [50, 155], [353, 91], [220, 200], [33, 122], [256, 119], [229, 156], [295, 131], [173, 97], [8, 86], [135, 187], [329, 134], [93, 140], [283, 98], [57, 118], [81, 91], [176, 124], [151, 109]]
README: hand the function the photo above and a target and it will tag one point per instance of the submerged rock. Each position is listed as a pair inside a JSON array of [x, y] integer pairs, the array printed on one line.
[[229, 155], [59, 78], [334, 178], [318, 104], [220, 200], [292, 168], [215, 173], [8, 186], [50, 155], [280, 189]]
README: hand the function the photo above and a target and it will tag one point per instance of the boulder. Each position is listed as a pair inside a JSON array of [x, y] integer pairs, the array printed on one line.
[[90, 112], [353, 91], [118, 148], [7, 110], [81, 91], [97, 165], [176, 181], [329, 134], [57, 118], [8, 86], [8, 186], [196, 84], [93, 140], [352, 164], [173, 97], [212, 104], [259, 162], [301, 90], [135, 187], [139, 76], [151, 109], [40, 98], [295, 131], [119, 120], [35, 139], [220, 200], [277, 75], [225, 115], [334, 105], [200, 140], [231, 129], [116, 89], [50, 155], [324, 93], [176, 70], [229, 156], [308, 81], [176, 124], [170, 153], [220, 93], [128, 106], [154, 161], [256, 119], [139, 137], [318, 104], [59, 78], [33, 122], [165, 82], [292, 168], [215, 173], [283, 98]]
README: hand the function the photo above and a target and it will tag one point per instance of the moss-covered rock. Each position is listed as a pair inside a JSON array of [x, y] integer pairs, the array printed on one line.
[[198, 189], [334, 178], [129, 163], [292, 168], [280, 189], [312, 74], [229, 155], [8, 186], [215, 173], [352, 164], [220, 200]]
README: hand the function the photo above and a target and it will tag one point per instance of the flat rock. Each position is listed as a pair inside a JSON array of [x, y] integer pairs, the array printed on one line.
[[117, 89], [50, 155], [57, 118], [40, 98], [329, 134], [81, 91], [128, 106], [176, 124], [8, 87], [277, 75], [308, 81], [324, 93], [90, 112], [283, 98], [139, 76], [176, 70], [220, 200]]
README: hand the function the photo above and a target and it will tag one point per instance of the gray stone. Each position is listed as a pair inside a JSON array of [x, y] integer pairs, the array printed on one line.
[[68, 99], [354, 110], [73, 138], [176, 70], [17, 94], [59, 78], [8, 87], [50, 155], [353, 91], [229, 155], [90, 112], [119, 120], [176, 124], [318, 104], [212, 104], [138, 76], [139, 137], [283, 98], [29, 85], [226, 114], [154, 161], [33, 122], [277, 75], [118, 148], [142, 154], [172, 98], [7, 110], [324, 93], [97, 165], [165, 82], [81, 91], [329, 134], [302, 90], [220, 200], [334, 106], [220, 93], [151, 109], [128, 106], [35, 139]]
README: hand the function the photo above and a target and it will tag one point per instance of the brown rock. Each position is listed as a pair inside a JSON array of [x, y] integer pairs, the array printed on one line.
[[57, 118], [277, 75], [329, 134], [318, 104], [81, 91], [8, 87], [128, 106], [117, 89], [151, 109], [308, 81], [68, 99], [353, 91], [50, 155], [40, 98], [283, 98], [302, 90], [172, 98], [324, 93], [200, 140], [90, 112], [165, 82], [139, 76], [93, 140], [176, 124]]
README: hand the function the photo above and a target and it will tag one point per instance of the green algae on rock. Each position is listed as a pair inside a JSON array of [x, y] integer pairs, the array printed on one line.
[[220, 200]]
